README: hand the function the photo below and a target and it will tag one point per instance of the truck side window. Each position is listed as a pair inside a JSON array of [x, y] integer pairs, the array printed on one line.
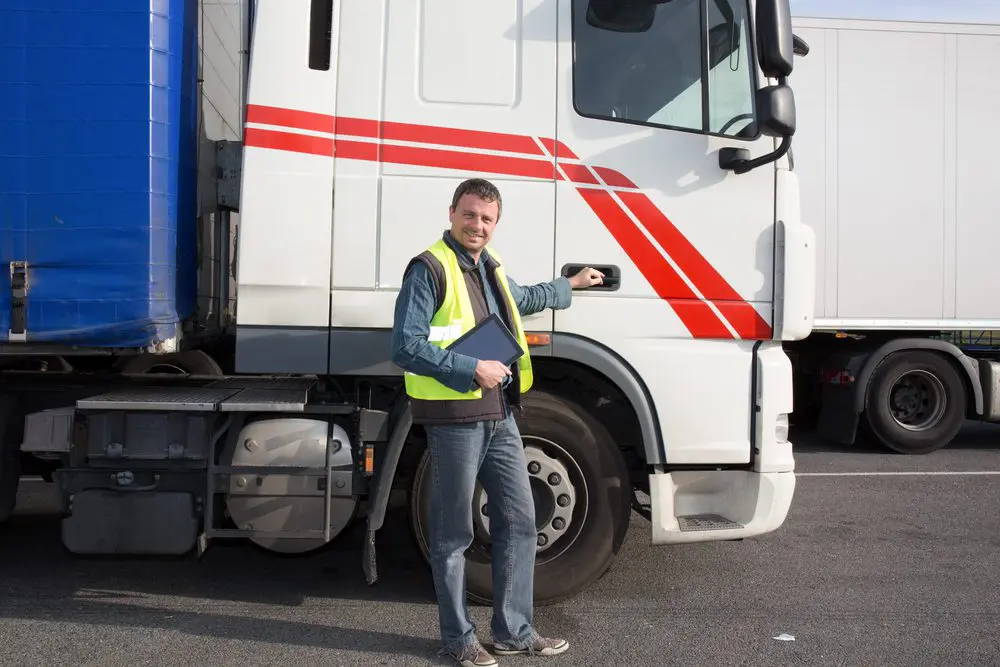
[[668, 75]]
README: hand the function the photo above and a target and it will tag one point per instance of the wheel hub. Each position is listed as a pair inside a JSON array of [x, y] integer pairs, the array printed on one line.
[[556, 498], [917, 400]]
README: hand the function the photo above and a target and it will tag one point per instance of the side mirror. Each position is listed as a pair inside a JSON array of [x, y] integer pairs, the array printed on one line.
[[776, 118], [775, 44], [776, 109]]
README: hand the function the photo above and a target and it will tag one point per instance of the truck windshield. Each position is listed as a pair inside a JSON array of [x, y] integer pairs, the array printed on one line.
[[670, 75]]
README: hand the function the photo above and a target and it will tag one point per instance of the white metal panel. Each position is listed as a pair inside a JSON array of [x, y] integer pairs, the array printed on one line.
[[942, 11], [446, 124], [890, 174], [486, 72], [286, 196], [511, 62], [360, 82], [978, 177], [814, 148]]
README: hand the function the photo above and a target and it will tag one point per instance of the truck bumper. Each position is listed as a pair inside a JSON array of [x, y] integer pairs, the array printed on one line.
[[712, 505]]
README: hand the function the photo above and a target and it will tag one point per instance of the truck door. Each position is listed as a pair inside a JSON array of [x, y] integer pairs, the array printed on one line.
[[645, 103], [467, 87]]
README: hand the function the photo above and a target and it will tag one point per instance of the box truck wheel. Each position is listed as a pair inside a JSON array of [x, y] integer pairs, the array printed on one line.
[[916, 402], [580, 484]]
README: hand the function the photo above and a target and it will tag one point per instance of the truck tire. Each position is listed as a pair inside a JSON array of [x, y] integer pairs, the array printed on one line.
[[561, 437], [916, 402], [192, 362]]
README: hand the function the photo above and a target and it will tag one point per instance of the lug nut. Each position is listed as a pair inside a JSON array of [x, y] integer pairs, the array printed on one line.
[[563, 500], [558, 523], [542, 539], [554, 479], [534, 467]]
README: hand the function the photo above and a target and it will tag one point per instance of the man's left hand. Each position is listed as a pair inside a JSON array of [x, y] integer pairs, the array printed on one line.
[[586, 277]]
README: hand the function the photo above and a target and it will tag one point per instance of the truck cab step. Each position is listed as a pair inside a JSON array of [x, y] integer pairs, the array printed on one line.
[[699, 522]]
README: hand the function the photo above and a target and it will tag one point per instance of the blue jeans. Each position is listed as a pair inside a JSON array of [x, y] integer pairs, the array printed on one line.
[[493, 451]]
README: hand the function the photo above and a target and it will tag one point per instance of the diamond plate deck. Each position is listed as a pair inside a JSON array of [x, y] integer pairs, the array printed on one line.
[[702, 522], [266, 400], [203, 399]]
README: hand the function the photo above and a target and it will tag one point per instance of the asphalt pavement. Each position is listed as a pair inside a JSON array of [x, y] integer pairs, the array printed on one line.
[[873, 567]]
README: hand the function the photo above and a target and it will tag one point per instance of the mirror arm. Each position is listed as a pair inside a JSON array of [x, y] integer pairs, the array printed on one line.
[[731, 158]]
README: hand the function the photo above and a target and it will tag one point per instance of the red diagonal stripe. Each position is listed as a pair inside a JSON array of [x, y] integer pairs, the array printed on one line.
[[745, 319], [614, 178], [696, 315], [578, 174], [699, 270], [558, 148]]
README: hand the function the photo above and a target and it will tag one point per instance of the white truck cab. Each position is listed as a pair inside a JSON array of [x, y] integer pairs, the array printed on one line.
[[647, 138]]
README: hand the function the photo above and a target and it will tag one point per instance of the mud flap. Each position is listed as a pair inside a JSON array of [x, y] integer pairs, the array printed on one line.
[[383, 486], [10, 456]]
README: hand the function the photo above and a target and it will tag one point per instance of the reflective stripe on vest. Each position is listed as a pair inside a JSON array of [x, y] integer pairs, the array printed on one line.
[[453, 319]]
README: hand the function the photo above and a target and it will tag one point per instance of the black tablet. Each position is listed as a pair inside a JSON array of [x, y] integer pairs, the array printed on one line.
[[490, 340]]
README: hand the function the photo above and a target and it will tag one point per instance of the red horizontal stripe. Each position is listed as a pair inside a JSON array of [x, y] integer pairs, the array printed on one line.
[[357, 150], [392, 131], [288, 141], [445, 136], [357, 127], [699, 270], [696, 315], [461, 161], [408, 155], [303, 120]]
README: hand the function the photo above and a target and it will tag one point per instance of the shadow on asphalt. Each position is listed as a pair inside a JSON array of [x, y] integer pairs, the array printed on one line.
[[974, 437], [99, 590]]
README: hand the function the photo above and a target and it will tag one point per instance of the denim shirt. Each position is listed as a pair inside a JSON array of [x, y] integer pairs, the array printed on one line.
[[417, 302]]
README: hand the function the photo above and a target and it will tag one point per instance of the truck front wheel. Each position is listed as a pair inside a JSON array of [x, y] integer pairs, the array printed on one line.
[[580, 485], [916, 402]]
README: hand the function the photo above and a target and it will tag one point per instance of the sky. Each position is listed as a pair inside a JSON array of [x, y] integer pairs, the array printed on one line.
[[948, 11]]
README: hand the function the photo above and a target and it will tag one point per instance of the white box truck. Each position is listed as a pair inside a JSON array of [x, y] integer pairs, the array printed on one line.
[[896, 152]]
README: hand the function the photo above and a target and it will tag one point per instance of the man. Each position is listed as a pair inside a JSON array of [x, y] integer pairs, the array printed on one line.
[[467, 408]]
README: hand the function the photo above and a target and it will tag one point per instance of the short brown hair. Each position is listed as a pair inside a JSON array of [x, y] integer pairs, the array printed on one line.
[[481, 188]]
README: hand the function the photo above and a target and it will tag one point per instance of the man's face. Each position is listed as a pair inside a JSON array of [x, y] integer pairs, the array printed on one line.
[[473, 221]]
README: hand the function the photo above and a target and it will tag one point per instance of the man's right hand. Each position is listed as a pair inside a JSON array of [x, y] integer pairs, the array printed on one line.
[[490, 373]]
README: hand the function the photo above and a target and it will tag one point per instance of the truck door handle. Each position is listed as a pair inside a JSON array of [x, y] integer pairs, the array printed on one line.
[[612, 275]]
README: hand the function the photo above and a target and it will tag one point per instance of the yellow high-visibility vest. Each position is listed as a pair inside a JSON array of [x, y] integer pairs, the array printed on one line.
[[453, 319]]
